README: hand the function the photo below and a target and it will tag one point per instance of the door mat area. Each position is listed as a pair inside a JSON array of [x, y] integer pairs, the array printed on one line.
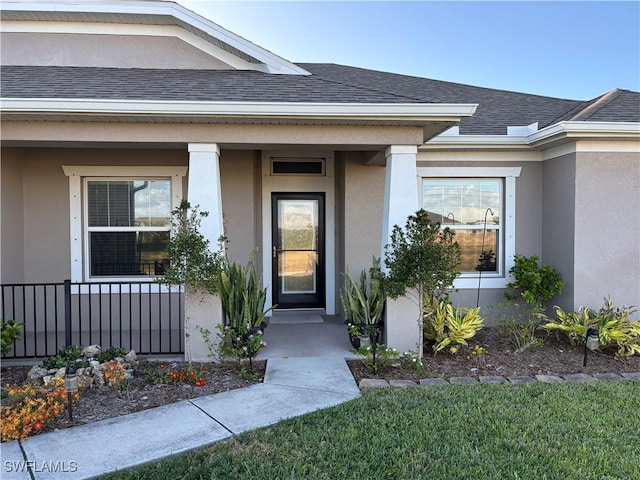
[[289, 319]]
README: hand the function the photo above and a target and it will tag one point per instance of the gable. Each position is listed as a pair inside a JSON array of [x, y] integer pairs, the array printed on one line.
[[133, 30], [106, 51]]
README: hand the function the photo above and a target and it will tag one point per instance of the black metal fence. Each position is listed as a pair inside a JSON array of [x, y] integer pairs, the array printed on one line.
[[144, 316]]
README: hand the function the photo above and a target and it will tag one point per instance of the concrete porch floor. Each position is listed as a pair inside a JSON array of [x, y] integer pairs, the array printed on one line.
[[302, 334]]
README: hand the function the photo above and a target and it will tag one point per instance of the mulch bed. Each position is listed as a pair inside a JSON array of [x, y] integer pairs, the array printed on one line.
[[554, 357]]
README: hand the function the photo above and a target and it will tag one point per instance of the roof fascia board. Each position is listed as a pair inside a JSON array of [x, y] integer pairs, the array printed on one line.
[[402, 112], [553, 134], [273, 63], [578, 129]]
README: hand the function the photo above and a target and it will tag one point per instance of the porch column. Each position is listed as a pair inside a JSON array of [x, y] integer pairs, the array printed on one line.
[[403, 329], [201, 309]]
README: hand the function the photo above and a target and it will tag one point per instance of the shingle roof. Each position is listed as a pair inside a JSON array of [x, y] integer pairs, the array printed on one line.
[[329, 83]]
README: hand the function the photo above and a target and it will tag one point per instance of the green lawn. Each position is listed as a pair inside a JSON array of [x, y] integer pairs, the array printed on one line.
[[535, 431]]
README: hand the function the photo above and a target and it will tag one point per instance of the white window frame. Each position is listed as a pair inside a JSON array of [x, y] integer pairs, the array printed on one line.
[[78, 176], [469, 280]]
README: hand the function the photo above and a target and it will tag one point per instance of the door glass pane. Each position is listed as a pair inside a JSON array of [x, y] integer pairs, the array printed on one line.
[[298, 245]]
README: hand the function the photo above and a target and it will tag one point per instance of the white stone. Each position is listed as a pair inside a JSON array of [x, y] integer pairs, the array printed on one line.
[[36, 373], [91, 351], [46, 379], [94, 364], [131, 357], [61, 372]]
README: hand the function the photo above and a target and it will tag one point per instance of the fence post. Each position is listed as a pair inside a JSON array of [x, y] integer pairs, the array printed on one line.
[[67, 313]]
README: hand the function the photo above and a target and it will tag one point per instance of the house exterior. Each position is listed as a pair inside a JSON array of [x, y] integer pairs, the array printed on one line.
[[112, 112]]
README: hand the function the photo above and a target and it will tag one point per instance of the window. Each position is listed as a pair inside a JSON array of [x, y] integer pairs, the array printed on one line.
[[479, 205], [121, 220], [128, 226]]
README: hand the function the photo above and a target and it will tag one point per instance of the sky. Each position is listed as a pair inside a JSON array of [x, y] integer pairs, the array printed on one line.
[[573, 49]]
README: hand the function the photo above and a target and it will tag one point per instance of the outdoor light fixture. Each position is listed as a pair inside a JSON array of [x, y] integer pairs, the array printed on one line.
[[591, 342], [71, 386]]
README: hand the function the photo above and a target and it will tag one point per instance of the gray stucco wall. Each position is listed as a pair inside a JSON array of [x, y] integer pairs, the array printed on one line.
[[12, 214], [363, 199], [124, 51], [238, 202], [607, 229], [38, 203], [558, 224]]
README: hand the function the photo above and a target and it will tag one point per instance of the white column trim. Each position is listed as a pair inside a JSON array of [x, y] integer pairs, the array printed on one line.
[[205, 189], [400, 199]]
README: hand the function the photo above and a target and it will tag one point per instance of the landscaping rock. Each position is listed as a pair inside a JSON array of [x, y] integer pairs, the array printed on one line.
[[520, 379], [402, 383], [131, 357], [36, 373], [463, 380], [46, 379], [614, 377], [433, 382], [578, 377], [367, 383], [492, 379], [94, 364], [632, 375], [549, 379], [61, 372], [91, 351]]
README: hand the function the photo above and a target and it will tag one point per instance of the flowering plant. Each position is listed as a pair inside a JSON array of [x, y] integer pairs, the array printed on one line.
[[243, 342], [115, 375], [28, 408]]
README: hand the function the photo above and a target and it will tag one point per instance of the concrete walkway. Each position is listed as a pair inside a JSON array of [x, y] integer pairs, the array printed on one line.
[[291, 387]]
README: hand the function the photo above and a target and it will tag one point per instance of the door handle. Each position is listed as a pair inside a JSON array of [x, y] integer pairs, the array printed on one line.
[[275, 252]]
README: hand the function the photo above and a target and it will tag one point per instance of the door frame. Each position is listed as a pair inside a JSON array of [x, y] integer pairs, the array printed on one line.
[[324, 183], [316, 299]]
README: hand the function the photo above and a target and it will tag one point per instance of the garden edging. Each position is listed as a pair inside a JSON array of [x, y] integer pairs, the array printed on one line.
[[370, 383]]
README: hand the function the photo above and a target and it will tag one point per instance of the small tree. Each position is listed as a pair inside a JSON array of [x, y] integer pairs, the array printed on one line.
[[191, 262], [424, 257], [421, 256]]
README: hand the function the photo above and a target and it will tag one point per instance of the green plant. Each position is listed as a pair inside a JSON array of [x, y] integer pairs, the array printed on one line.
[[377, 356], [110, 353], [534, 284], [242, 343], [191, 261], [363, 301], [421, 256], [242, 296], [68, 354], [9, 333], [519, 325], [613, 325], [446, 326]]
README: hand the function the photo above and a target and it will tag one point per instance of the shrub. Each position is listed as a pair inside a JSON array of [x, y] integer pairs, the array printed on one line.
[[110, 353], [535, 284], [188, 374], [613, 325], [363, 301], [10, 332], [65, 356], [448, 327]]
